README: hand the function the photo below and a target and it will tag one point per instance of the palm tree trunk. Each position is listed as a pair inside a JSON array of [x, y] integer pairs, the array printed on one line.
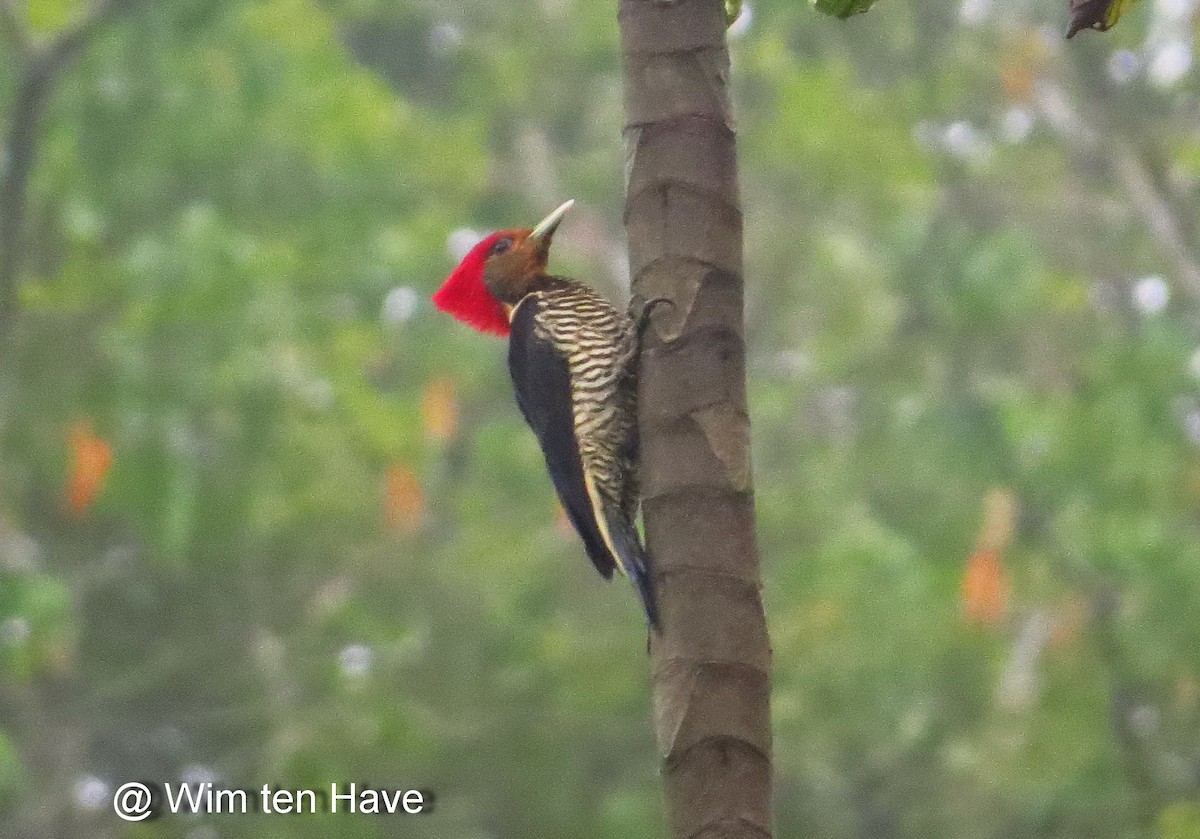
[[711, 662]]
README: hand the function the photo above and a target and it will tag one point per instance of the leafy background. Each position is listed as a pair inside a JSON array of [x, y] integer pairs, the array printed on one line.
[[266, 517]]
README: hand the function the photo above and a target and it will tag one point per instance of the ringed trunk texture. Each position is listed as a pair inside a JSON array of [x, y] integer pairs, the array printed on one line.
[[711, 662]]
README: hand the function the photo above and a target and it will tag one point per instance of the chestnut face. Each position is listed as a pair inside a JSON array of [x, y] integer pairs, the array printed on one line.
[[514, 263]]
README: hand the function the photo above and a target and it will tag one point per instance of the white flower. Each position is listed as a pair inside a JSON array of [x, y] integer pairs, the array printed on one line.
[[1170, 63], [399, 305], [1123, 66], [1016, 124], [462, 240], [1151, 294], [91, 793], [974, 12], [355, 660]]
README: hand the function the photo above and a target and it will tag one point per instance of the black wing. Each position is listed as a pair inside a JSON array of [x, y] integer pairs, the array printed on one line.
[[542, 381]]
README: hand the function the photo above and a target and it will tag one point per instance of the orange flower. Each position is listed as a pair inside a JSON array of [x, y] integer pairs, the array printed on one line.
[[1025, 58], [985, 588], [403, 503], [439, 410], [90, 459]]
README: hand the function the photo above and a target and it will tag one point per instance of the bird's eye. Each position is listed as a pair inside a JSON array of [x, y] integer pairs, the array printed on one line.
[[500, 246]]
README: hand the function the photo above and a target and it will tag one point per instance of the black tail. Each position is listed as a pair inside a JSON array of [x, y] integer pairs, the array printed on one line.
[[632, 558]]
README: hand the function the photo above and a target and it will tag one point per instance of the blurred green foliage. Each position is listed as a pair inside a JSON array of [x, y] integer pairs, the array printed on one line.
[[843, 8], [325, 549]]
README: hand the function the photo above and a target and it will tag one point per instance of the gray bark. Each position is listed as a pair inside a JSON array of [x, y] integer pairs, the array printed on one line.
[[711, 662]]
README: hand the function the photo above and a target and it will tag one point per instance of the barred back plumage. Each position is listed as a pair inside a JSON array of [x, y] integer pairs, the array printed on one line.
[[600, 347]]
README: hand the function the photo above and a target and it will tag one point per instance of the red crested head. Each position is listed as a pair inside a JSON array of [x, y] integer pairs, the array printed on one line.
[[493, 277], [464, 296]]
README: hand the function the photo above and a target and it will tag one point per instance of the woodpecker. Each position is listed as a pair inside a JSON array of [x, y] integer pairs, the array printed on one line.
[[572, 358]]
